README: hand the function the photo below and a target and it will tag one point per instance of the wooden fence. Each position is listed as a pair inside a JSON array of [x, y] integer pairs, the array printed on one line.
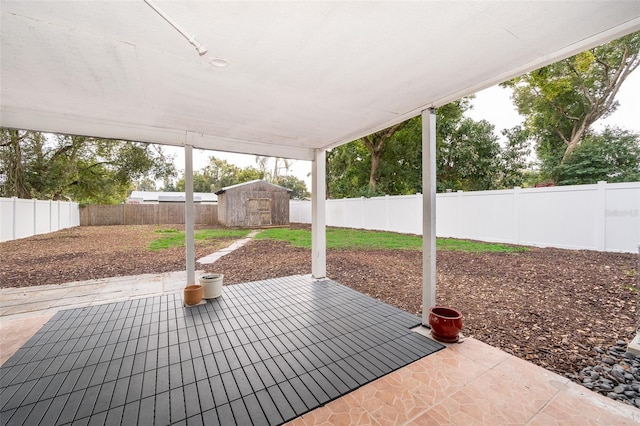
[[145, 214]]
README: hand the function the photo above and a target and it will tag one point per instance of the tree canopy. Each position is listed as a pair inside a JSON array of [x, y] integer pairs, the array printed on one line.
[[220, 173], [562, 100], [83, 169], [469, 157], [612, 155]]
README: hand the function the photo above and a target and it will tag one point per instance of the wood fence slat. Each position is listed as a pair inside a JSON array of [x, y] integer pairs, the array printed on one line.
[[145, 214]]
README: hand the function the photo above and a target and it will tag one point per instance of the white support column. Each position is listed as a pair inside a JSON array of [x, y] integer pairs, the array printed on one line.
[[428, 213], [318, 217], [189, 215]]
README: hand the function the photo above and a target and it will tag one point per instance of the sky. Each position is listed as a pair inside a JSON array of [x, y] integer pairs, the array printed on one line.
[[492, 104]]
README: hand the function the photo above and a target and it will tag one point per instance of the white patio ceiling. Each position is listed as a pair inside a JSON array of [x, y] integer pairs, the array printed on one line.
[[301, 76]]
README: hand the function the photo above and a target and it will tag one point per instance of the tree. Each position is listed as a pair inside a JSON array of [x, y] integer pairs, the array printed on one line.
[[145, 184], [562, 100], [514, 165], [375, 144], [297, 186], [467, 158], [612, 156], [84, 169], [348, 171]]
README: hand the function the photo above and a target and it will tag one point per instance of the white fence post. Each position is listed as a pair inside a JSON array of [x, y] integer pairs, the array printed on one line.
[[601, 215], [35, 217], [13, 219], [459, 212], [386, 212], [516, 214]]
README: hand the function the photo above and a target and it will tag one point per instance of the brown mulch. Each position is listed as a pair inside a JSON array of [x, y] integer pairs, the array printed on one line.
[[548, 306]]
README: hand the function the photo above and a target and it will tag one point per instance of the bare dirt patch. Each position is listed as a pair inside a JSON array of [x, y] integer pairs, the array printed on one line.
[[547, 306]]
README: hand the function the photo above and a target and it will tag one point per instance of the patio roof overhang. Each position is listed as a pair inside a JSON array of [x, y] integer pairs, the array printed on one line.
[[300, 76]]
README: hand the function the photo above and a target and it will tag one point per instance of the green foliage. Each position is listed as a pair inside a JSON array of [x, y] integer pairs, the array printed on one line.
[[561, 101], [450, 244], [469, 158], [612, 156], [348, 170], [514, 167], [341, 238], [297, 186], [170, 238], [84, 169], [220, 174], [354, 239]]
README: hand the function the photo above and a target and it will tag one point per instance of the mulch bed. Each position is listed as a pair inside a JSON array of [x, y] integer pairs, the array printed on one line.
[[548, 306]]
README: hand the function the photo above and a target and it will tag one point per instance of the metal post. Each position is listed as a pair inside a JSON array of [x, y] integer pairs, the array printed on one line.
[[189, 214], [428, 213], [318, 219]]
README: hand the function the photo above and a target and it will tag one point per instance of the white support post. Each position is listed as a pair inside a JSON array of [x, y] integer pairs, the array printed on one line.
[[189, 214], [428, 213], [318, 216]]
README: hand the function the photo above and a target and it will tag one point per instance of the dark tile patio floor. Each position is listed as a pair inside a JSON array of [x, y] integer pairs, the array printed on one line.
[[264, 353]]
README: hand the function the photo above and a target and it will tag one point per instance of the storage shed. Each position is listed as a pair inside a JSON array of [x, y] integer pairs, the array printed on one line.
[[254, 203]]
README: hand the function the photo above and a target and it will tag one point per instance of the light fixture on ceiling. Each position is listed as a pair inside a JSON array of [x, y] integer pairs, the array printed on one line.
[[218, 62], [201, 49]]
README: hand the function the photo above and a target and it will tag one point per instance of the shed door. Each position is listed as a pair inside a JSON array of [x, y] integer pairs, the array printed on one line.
[[258, 211]]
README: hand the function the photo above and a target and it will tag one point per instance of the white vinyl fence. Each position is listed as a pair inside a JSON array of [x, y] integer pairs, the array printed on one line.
[[603, 217], [23, 218]]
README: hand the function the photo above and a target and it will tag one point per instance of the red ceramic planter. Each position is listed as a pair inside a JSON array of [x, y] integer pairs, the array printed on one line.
[[193, 294], [445, 323]]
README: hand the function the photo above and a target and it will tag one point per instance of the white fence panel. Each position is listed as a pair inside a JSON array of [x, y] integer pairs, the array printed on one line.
[[300, 211], [42, 216], [21, 218], [622, 215], [603, 217], [55, 217], [6, 219], [565, 217], [485, 217], [376, 216]]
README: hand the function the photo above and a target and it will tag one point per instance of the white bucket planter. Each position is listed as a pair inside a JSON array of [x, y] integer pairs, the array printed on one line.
[[212, 285]]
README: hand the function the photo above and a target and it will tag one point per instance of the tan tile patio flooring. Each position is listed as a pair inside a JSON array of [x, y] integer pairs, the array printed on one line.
[[265, 353]]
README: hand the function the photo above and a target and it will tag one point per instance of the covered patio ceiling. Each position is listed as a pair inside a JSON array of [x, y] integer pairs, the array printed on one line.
[[300, 76]]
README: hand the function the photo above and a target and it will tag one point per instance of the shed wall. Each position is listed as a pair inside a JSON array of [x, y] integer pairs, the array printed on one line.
[[233, 204]]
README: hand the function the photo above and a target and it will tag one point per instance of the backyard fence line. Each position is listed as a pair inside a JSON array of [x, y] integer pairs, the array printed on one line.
[[145, 214], [603, 217], [20, 218]]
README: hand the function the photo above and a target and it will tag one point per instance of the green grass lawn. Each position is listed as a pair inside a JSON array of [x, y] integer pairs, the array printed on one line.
[[340, 238], [169, 238]]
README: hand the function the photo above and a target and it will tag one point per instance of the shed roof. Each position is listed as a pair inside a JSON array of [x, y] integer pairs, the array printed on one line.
[[272, 186], [300, 76]]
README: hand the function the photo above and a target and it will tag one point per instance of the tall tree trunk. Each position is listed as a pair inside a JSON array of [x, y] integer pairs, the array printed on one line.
[[375, 163], [375, 143], [19, 188]]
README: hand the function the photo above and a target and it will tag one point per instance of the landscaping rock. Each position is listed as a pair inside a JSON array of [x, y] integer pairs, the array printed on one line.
[[616, 376]]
